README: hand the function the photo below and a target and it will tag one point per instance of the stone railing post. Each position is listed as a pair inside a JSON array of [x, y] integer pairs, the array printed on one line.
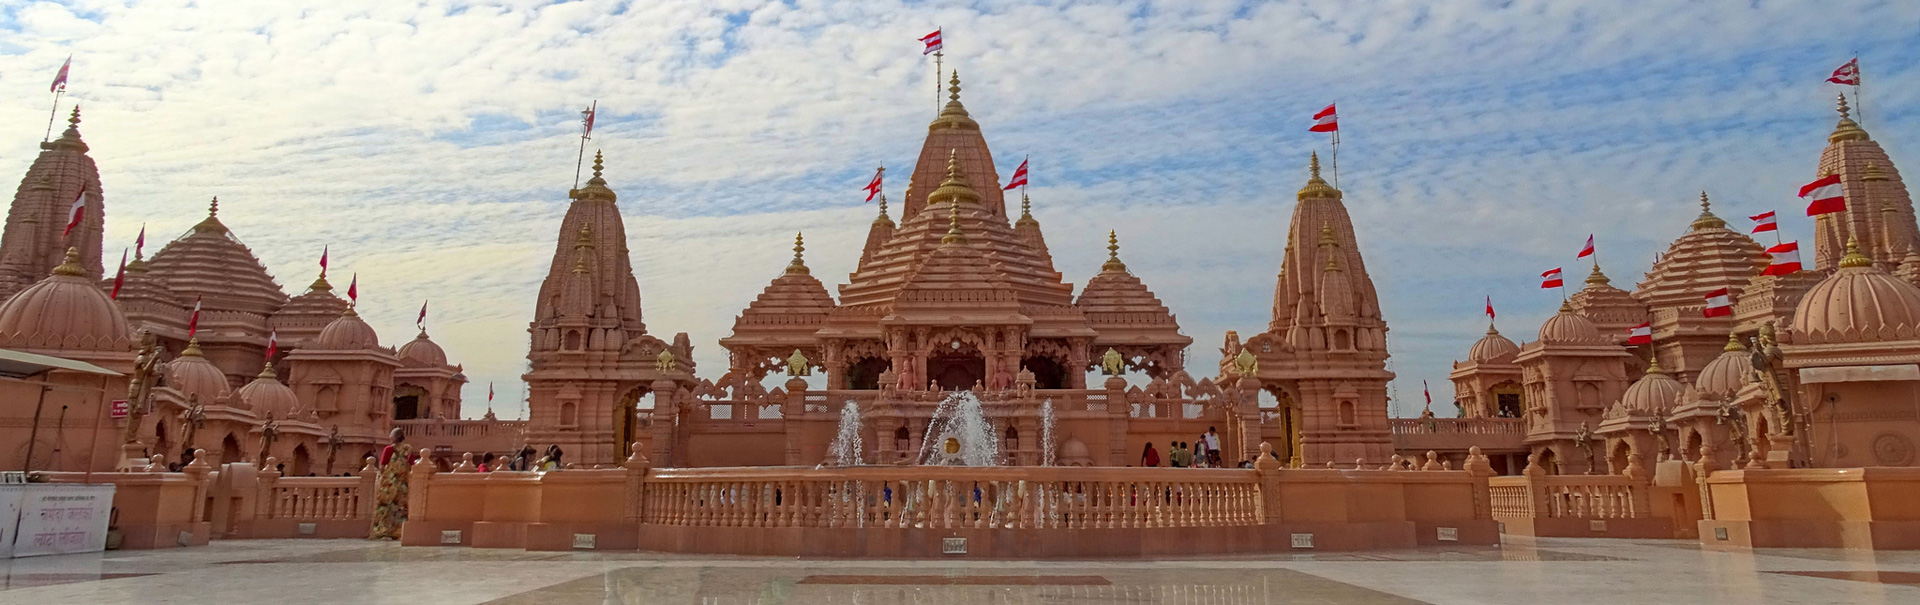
[[1271, 512], [1703, 468], [1118, 413], [793, 410], [1479, 470], [637, 466], [369, 489], [263, 507], [1639, 486], [420, 481], [1536, 475], [197, 471]]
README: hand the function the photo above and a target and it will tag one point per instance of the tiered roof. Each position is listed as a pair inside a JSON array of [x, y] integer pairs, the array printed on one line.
[[1709, 257], [1612, 310], [1122, 309], [211, 264], [787, 312]]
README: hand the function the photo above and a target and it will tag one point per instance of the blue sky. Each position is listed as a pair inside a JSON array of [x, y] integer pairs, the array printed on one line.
[[432, 146]]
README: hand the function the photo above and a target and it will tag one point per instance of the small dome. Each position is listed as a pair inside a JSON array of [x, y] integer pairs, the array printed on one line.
[[348, 333], [65, 311], [1073, 449], [422, 351], [1492, 346], [191, 375], [1568, 327], [1724, 376], [1656, 392], [1858, 303], [266, 396]]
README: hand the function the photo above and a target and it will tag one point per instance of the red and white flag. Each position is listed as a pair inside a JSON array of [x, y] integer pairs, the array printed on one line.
[[1640, 334], [1019, 176], [1489, 308], [353, 289], [1719, 303], [873, 186], [422, 320], [933, 43], [1587, 250], [1551, 279], [1427, 391], [76, 212], [1325, 121], [323, 259], [1824, 196], [60, 79], [273, 344], [1786, 259], [193, 320], [140, 243], [1765, 221], [1848, 74], [591, 112], [119, 277], [489, 394]]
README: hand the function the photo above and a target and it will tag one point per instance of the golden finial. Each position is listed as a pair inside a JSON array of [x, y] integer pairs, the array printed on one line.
[[72, 264], [1707, 220], [954, 235], [954, 115], [598, 165], [799, 264], [266, 372], [1316, 186], [1847, 129], [1113, 254], [193, 345], [1596, 277], [1333, 262], [320, 283], [954, 187], [1733, 343], [1326, 234], [1026, 207], [1566, 306], [954, 175], [1854, 257], [212, 222], [953, 87], [1653, 365]]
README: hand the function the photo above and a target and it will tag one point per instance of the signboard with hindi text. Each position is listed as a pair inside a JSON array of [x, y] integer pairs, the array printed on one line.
[[58, 519], [118, 409], [10, 496]]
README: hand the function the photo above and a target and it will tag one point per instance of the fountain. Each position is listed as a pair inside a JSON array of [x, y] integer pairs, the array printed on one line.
[[846, 446], [959, 434], [1046, 433]]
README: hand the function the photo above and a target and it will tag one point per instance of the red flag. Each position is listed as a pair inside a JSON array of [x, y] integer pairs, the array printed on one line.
[[933, 43], [1489, 308], [1765, 221], [119, 277], [1847, 74], [873, 186], [1325, 121], [1786, 259], [353, 289], [592, 111], [1587, 250], [1427, 391], [1719, 303], [1640, 334], [75, 213], [323, 259], [60, 79], [422, 320], [1551, 279], [140, 243], [1019, 177], [1824, 196], [193, 321], [489, 394], [273, 344]]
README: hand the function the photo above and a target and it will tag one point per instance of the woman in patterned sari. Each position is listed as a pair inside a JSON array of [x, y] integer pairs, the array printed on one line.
[[390, 507]]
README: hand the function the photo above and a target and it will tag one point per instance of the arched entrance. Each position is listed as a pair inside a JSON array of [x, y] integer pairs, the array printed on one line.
[[1507, 401], [1549, 462], [230, 449], [626, 421], [957, 368], [1617, 459], [302, 462], [409, 402]]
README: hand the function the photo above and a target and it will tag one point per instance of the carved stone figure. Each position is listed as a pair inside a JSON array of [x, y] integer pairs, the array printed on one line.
[[665, 360], [269, 433], [797, 364], [191, 419], [146, 370], [1111, 363], [1766, 358], [1584, 439], [1245, 364]]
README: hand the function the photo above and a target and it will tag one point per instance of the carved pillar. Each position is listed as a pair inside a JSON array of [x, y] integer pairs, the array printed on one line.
[[1117, 421], [1077, 361], [794, 409]]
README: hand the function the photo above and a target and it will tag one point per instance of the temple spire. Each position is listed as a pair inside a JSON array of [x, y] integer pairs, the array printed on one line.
[[1026, 212], [72, 264], [1316, 186], [1707, 220], [799, 264], [1113, 254], [954, 235], [1854, 257], [212, 222], [1846, 129]]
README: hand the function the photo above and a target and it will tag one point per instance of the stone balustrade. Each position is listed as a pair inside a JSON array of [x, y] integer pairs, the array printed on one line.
[[1632, 505], [153, 508]]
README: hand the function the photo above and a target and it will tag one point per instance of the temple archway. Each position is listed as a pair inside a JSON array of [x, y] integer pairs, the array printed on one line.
[[626, 421], [407, 400], [864, 374], [957, 369], [1549, 461], [1617, 459], [1507, 400], [1048, 373], [302, 462], [230, 449]]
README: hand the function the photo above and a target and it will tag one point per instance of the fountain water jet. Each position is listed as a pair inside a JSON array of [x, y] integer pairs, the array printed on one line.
[[1046, 433], [959, 434], [846, 446]]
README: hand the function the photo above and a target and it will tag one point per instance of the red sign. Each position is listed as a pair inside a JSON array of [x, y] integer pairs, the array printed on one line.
[[118, 408]]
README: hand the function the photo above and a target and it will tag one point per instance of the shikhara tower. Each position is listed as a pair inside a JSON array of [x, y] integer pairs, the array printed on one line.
[[33, 241]]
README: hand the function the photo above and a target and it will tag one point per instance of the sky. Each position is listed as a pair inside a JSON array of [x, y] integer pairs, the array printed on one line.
[[427, 145]]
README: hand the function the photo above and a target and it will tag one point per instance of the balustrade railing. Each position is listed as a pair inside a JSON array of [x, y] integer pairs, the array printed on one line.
[[430, 427], [1459, 426], [1569, 496], [950, 498], [318, 498]]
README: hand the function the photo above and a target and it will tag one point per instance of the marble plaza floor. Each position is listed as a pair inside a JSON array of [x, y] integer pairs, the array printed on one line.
[[1549, 571]]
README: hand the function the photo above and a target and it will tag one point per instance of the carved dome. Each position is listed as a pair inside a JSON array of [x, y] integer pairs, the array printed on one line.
[[65, 311], [1568, 327], [1491, 347], [1724, 376], [267, 397], [421, 351], [191, 375], [349, 333], [1858, 303], [1655, 392]]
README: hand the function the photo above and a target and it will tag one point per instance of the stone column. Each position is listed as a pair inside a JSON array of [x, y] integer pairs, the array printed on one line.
[[794, 409], [1117, 421]]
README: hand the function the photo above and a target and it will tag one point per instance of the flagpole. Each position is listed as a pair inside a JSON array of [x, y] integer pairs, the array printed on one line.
[[1859, 107], [581, 158], [936, 76], [55, 112], [1336, 154]]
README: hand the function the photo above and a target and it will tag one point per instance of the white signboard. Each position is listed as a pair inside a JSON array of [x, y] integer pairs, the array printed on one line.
[[10, 496], [60, 519]]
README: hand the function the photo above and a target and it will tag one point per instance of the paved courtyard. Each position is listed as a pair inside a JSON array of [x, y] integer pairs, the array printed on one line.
[[1550, 571]]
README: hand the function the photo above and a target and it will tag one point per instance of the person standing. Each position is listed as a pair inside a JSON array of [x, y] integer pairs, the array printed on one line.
[[1180, 457], [390, 504], [1150, 457]]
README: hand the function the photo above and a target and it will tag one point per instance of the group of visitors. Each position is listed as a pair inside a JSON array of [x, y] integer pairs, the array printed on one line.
[[1205, 452], [398, 457]]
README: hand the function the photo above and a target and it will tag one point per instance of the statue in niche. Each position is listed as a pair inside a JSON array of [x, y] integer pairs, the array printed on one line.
[[146, 370], [1111, 363], [1584, 439], [797, 364]]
